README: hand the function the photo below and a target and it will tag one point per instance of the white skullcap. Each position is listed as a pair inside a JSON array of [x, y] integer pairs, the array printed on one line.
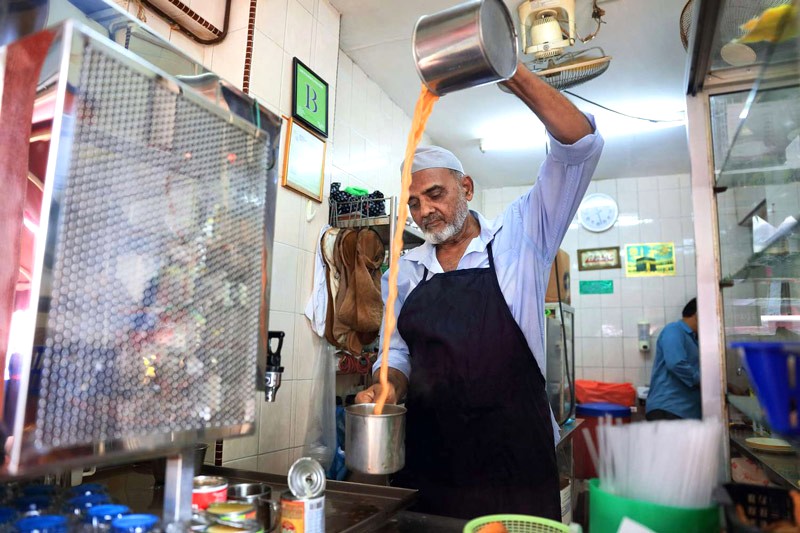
[[434, 157]]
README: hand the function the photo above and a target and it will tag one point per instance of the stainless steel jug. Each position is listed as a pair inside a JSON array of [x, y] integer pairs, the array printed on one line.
[[471, 44], [375, 444]]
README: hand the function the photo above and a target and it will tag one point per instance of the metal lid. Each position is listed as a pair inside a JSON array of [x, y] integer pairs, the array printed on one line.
[[42, 524], [134, 523], [106, 513], [306, 478], [208, 482]]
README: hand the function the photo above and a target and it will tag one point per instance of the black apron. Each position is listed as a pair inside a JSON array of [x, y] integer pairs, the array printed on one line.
[[479, 438]]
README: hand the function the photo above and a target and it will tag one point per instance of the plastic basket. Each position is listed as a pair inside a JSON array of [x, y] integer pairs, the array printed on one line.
[[761, 505], [774, 371], [515, 523], [606, 512]]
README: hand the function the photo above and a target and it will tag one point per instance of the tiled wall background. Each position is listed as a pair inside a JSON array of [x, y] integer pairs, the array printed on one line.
[[652, 209], [367, 143]]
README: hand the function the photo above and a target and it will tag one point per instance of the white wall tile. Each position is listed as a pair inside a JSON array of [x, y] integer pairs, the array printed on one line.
[[227, 57], [650, 232], [670, 203], [593, 373], [612, 352], [283, 321], [302, 403], [674, 291], [671, 230], [274, 463], [649, 204], [633, 358], [649, 183], [299, 31], [614, 375], [591, 351], [288, 211], [305, 348], [266, 74], [285, 265], [248, 463], [591, 322], [611, 322], [631, 292], [669, 182], [239, 15], [325, 55], [329, 17], [276, 418], [305, 280]]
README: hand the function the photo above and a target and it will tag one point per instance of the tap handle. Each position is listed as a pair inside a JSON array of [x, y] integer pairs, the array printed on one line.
[[274, 357]]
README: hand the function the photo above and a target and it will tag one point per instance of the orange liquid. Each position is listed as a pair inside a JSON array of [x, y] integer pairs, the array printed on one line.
[[421, 113]]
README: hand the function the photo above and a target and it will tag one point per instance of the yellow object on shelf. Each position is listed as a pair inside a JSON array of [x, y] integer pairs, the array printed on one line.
[[770, 25]]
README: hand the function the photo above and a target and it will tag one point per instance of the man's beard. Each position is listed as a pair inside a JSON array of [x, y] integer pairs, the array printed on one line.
[[450, 230]]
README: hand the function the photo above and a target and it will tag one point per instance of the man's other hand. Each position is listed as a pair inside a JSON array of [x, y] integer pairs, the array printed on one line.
[[371, 394]]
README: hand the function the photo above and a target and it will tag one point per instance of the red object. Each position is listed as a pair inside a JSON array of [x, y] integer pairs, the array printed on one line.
[[592, 414], [208, 491], [587, 391]]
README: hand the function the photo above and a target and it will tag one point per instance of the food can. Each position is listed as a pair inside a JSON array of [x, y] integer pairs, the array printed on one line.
[[232, 511], [306, 478], [302, 515], [208, 490]]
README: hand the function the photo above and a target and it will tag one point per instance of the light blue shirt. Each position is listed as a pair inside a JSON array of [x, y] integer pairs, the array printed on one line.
[[525, 239], [675, 381]]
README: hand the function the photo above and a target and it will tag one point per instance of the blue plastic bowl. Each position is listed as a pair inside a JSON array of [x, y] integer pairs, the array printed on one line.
[[774, 370]]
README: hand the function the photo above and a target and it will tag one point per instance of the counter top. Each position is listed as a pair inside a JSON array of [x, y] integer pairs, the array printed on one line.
[[567, 430], [781, 468]]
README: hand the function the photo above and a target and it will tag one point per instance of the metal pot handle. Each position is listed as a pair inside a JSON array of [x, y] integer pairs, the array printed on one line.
[[275, 512]]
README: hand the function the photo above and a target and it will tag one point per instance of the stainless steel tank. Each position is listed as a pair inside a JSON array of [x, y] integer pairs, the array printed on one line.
[[142, 284]]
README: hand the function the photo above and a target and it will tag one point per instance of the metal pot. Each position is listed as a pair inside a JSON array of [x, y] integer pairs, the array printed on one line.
[[375, 444], [464, 46]]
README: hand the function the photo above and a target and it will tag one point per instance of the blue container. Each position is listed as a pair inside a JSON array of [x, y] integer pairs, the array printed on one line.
[[601, 409], [81, 504], [86, 489], [105, 514], [134, 523], [7, 515], [774, 370], [32, 504], [42, 524]]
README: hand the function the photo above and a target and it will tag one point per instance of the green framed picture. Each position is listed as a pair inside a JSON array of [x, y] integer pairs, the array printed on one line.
[[309, 98]]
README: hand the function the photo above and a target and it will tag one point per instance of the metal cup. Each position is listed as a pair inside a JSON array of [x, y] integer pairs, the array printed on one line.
[[375, 444], [258, 495], [464, 46]]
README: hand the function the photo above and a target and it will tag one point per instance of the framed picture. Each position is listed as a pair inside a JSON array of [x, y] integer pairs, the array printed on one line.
[[309, 98], [598, 258], [303, 161], [649, 259]]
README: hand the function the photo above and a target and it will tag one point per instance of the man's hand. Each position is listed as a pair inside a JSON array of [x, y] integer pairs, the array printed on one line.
[[398, 384]]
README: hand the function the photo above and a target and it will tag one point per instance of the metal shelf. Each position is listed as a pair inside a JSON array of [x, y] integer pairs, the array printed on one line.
[[383, 224]]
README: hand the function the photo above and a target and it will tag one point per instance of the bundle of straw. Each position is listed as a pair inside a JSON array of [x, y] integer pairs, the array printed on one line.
[[674, 463]]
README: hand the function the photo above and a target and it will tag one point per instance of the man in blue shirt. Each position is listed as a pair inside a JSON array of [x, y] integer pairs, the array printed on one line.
[[675, 381], [468, 354]]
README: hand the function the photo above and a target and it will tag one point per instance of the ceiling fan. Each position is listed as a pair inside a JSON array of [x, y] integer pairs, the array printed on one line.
[[548, 31]]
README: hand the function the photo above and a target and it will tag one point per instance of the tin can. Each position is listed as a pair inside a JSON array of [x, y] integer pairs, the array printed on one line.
[[302, 515], [306, 478], [232, 511], [208, 490]]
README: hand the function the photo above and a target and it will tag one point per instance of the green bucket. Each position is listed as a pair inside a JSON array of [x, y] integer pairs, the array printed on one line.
[[606, 512]]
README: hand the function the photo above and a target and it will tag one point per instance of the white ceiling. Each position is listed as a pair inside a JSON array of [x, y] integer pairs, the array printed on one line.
[[645, 78]]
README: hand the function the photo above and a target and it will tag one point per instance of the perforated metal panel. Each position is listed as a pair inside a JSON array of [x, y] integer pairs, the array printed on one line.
[[156, 266]]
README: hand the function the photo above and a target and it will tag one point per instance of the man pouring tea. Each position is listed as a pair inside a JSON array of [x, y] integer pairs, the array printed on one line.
[[467, 356]]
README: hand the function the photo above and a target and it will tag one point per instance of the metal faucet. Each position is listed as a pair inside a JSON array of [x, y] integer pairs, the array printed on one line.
[[272, 375]]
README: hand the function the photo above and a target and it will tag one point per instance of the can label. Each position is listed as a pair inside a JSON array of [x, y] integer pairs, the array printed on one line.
[[208, 490], [302, 515]]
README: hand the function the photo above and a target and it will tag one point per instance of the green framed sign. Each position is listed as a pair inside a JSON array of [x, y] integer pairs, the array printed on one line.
[[596, 287], [309, 98]]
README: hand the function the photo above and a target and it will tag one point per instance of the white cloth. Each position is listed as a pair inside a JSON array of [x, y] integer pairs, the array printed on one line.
[[525, 240], [317, 305]]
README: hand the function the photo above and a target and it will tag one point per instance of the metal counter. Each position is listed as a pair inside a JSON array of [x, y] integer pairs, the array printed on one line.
[[349, 507]]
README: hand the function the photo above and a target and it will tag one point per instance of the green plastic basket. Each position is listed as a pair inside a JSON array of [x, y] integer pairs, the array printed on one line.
[[517, 523], [606, 512]]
